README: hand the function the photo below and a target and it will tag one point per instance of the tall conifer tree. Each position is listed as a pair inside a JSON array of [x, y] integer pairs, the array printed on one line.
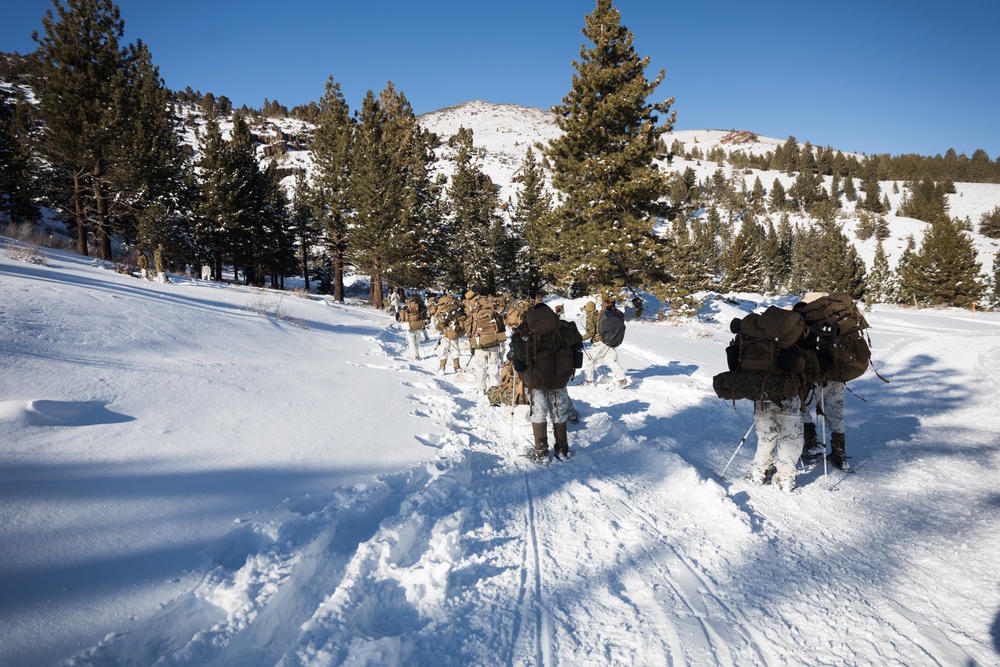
[[479, 237], [944, 271], [80, 62], [603, 163], [386, 231], [331, 152], [533, 206]]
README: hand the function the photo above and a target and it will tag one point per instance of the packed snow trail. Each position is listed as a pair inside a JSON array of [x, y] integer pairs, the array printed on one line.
[[629, 553]]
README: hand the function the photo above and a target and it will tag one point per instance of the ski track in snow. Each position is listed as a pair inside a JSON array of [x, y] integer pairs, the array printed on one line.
[[483, 557]]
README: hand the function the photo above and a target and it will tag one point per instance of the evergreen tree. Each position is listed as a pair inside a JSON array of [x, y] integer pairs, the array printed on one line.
[[872, 201], [849, 192], [880, 286], [995, 283], [533, 207], [989, 224], [80, 63], [779, 199], [20, 171], [604, 162], [331, 152], [927, 201], [704, 239], [743, 266], [480, 240], [758, 197], [685, 195], [944, 271], [837, 267], [148, 171], [304, 224], [784, 253], [387, 231]]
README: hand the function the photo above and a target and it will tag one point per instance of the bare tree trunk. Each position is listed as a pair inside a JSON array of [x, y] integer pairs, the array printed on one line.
[[376, 294], [81, 222], [338, 268], [103, 235]]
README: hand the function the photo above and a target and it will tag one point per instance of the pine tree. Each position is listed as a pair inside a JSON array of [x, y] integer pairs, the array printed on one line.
[[995, 283], [80, 62], [603, 164], [387, 232], [20, 171], [849, 192], [533, 207], [989, 224], [944, 271], [779, 199], [880, 285], [148, 171], [304, 224], [480, 240], [331, 152], [838, 268], [744, 268]]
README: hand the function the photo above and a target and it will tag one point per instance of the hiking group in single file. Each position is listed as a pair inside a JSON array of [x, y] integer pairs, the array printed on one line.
[[792, 363]]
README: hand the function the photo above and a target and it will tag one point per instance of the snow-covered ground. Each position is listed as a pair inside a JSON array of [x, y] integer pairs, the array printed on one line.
[[184, 481]]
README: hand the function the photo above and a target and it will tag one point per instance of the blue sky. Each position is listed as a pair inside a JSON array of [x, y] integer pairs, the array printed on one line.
[[880, 76]]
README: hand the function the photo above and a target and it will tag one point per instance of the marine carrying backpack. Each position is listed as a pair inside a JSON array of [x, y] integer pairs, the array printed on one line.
[[611, 327], [766, 359], [449, 316], [548, 356], [836, 328], [416, 314], [487, 328]]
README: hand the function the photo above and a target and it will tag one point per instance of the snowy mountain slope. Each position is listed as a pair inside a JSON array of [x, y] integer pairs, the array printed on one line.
[[186, 482]]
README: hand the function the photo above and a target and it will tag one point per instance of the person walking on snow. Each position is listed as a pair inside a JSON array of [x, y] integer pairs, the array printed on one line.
[[546, 353], [160, 264], [414, 317], [827, 401], [779, 442], [605, 331]]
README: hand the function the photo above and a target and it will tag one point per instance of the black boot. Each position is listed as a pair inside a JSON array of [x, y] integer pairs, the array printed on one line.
[[838, 452], [541, 453], [562, 441], [810, 443]]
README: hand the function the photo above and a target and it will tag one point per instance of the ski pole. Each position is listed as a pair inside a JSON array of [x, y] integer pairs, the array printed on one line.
[[745, 436], [822, 410], [513, 402]]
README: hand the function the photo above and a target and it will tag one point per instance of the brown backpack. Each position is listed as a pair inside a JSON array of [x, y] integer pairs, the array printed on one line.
[[837, 329], [768, 341], [767, 359], [416, 315], [552, 350], [486, 328]]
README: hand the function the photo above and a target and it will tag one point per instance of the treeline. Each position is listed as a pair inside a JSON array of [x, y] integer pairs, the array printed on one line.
[[98, 143]]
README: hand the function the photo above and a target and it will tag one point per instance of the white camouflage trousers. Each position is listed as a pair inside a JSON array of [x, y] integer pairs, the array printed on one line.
[[779, 437], [827, 400], [487, 367], [415, 336], [549, 403], [448, 347], [599, 352]]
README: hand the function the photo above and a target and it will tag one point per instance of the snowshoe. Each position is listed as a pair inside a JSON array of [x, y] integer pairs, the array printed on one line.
[[564, 456]]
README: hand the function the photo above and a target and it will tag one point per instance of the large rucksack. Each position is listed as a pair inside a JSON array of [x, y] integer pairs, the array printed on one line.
[[611, 327], [486, 328], [836, 328], [767, 359], [501, 394], [449, 316], [551, 351], [416, 314]]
